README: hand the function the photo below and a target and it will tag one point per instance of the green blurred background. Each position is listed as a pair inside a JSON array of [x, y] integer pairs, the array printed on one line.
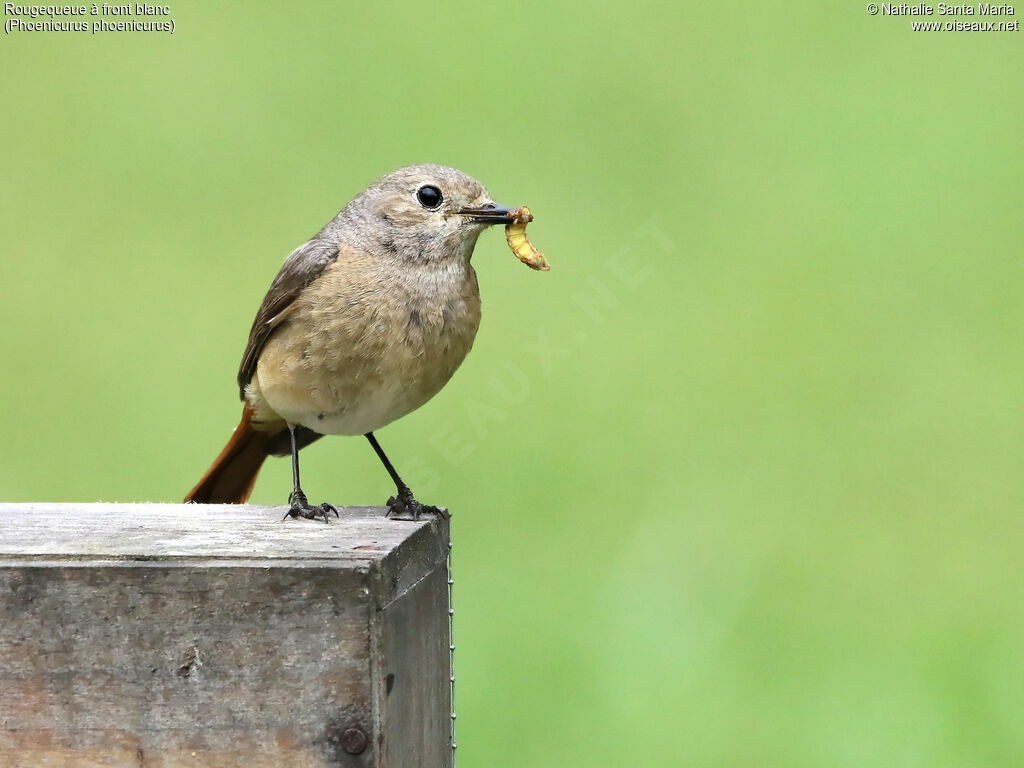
[[736, 483]]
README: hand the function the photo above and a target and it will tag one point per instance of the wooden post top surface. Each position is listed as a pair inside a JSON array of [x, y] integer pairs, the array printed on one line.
[[188, 532]]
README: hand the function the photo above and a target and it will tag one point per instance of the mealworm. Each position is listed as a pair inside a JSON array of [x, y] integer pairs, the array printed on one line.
[[515, 234]]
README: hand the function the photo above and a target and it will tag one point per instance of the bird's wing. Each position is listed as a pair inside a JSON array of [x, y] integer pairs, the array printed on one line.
[[305, 264]]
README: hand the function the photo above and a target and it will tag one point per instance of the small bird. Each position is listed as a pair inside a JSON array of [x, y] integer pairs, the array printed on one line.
[[363, 324]]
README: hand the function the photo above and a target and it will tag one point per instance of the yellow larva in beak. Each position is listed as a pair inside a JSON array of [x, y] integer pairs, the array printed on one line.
[[515, 234]]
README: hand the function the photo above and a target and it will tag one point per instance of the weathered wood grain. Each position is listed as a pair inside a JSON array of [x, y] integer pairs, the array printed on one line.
[[193, 635]]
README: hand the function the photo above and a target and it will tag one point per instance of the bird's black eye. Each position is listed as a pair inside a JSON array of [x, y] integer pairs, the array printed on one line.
[[429, 197]]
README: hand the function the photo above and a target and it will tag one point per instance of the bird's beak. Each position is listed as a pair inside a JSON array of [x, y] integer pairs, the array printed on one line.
[[489, 213]]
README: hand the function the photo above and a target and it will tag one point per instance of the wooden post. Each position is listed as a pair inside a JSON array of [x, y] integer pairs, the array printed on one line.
[[216, 636]]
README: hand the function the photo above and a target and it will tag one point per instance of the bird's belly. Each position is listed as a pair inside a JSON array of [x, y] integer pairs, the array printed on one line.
[[364, 412], [343, 378]]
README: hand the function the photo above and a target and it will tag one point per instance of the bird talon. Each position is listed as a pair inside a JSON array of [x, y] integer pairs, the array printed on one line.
[[299, 507], [406, 507]]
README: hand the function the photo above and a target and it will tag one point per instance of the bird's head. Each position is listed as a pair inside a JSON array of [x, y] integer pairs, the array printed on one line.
[[421, 213]]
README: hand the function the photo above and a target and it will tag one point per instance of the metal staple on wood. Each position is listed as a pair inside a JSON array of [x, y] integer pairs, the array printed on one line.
[[451, 640]]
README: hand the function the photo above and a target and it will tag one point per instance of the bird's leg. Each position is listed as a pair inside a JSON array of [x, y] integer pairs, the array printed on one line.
[[404, 504], [298, 506]]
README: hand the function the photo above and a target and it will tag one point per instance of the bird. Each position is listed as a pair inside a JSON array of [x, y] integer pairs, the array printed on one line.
[[364, 323]]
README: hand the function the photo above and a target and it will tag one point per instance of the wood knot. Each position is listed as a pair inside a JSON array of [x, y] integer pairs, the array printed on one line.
[[190, 661]]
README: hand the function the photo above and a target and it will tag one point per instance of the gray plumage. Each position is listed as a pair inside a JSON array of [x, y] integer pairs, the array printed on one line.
[[363, 323]]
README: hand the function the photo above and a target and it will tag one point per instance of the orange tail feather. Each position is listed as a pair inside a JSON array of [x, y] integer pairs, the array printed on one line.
[[233, 474]]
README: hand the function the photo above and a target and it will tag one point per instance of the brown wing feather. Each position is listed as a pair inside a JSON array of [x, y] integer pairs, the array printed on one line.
[[305, 264]]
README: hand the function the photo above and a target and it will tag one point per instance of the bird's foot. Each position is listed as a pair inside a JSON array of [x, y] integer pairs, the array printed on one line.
[[299, 507], [405, 507]]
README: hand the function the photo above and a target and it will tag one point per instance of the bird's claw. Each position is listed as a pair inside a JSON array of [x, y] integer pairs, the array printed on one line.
[[298, 506], [405, 507]]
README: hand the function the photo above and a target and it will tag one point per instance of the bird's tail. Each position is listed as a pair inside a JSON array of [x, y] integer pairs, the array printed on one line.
[[233, 474]]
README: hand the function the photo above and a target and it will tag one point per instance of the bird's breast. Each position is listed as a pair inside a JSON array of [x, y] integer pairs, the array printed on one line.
[[365, 345]]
